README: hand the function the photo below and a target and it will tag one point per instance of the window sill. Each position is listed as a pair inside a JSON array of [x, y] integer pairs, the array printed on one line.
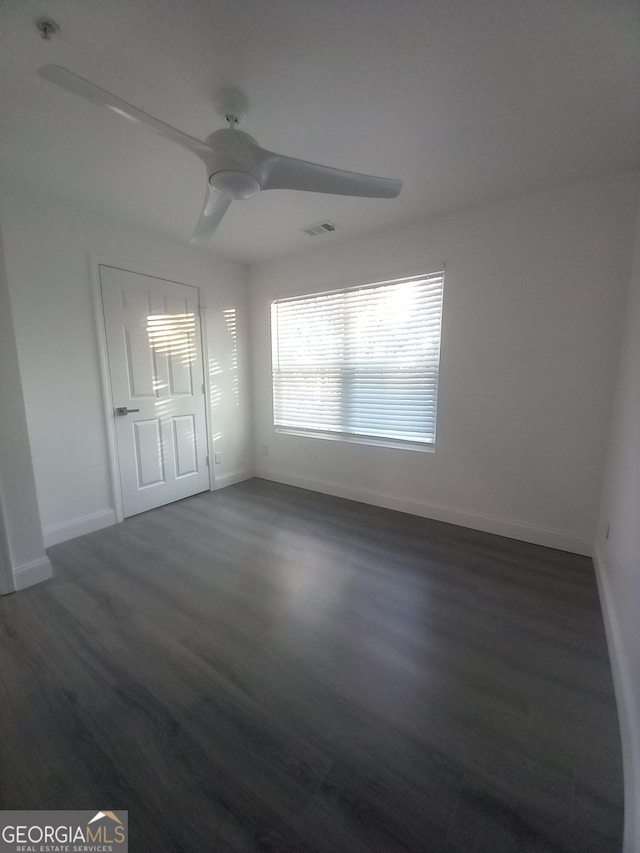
[[372, 441]]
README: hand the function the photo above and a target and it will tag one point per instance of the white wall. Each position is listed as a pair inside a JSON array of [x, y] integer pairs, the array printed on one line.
[[22, 557], [617, 556], [48, 245], [534, 292]]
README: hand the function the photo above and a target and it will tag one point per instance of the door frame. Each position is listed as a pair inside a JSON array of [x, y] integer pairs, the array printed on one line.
[[97, 261]]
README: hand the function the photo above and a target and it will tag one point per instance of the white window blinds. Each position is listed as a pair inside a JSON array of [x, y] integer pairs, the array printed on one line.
[[360, 362]]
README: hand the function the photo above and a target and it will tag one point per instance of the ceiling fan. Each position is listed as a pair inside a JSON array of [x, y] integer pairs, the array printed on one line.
[[237, 167]]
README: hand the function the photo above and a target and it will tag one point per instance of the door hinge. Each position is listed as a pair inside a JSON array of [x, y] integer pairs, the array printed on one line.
[[207, 461]]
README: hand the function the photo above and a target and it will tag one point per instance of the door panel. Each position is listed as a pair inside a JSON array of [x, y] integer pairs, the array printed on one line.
[[184, 445], [140, 363], [156, 372], [149, 456]]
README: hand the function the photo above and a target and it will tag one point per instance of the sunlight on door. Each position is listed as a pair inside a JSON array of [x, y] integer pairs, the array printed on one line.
[[172, 337]]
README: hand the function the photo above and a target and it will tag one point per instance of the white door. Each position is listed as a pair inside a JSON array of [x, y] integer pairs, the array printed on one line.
[[155, 364]]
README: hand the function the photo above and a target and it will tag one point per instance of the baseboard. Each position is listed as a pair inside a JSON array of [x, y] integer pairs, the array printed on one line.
[[465, 518], [32, 573], [78, 527], [628, 708], [105, 518], [230, 479]]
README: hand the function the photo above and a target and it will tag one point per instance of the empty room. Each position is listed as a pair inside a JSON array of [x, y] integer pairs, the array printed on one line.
[[319, 443]]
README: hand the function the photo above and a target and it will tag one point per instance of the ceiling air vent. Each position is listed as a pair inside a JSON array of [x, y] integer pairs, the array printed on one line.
[[321, 228]]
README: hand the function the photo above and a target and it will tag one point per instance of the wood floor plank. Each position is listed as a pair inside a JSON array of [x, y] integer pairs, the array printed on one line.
[[265, 668]]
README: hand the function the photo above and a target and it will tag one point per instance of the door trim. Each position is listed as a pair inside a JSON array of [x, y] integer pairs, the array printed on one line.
[[96, 262], [7, 576]]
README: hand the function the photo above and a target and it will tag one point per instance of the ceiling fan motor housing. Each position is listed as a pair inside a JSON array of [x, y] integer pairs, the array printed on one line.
[[234, 184], [233, 171]]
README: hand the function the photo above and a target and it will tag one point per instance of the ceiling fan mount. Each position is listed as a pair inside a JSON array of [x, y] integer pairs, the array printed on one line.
[[231, 104], [237, 167]]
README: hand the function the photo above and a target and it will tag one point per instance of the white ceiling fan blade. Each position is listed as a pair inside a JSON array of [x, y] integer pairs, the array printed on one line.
[[287, 173], [90, 92], [215, 207]]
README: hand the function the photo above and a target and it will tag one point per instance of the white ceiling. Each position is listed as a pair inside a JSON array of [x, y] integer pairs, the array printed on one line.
[[465, 100]]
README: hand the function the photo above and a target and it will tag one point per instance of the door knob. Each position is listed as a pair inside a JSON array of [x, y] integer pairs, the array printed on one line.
[[122, 410]]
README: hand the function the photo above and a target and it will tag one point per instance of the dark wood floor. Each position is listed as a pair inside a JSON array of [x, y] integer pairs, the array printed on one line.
[[264, 668]]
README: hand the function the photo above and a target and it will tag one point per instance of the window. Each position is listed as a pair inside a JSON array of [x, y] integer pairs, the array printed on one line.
[[360, 364]]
